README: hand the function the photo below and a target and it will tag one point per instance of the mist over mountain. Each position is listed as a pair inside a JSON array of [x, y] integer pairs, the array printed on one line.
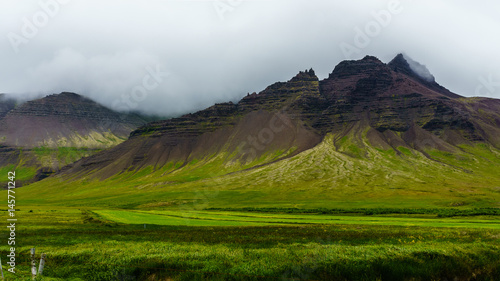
[[382, 119], [250, 139], [6, 104], [42, 135], [209, 62], [65, 119], [419, 69], [368, 124]]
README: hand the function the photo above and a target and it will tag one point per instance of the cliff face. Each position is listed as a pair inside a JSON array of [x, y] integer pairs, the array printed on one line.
[[367, 101]]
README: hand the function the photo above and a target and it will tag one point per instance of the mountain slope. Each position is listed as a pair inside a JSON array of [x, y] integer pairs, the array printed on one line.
[[401, 63], [66, 119], [370, 131], [43, 135]]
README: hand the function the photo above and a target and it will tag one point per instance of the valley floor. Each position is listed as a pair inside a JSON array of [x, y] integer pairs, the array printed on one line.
[[176, 244]]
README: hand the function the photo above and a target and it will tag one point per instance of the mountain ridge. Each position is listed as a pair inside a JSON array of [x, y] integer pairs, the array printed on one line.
[[386, 105], [400, 64], [64, 120], [40, 136]]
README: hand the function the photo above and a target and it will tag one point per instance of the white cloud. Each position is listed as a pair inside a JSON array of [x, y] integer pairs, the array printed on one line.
[[420, 69], [102, 48]]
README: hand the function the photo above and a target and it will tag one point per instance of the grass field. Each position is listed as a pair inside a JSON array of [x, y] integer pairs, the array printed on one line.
[[215, 218], [319, 215], [177, 244], [319, 177]]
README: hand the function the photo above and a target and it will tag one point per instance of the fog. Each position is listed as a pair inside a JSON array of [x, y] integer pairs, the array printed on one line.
[[173, 57], [420, 69]]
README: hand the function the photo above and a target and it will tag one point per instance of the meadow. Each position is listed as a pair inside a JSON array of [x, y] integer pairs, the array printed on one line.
[[183, 244], [308, 217]]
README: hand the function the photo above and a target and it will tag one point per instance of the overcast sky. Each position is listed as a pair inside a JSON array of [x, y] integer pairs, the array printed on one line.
[[171, 57]]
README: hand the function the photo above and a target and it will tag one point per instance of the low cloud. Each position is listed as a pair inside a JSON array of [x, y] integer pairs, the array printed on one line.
[[420, 69], [88, 47]]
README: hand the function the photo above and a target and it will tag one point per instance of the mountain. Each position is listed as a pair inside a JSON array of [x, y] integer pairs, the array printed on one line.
[[370, 131], [418, 72], [57, 130], [65, 119]]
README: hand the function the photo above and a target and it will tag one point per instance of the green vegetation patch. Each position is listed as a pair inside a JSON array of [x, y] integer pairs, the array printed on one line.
[[216, 218], [23, 173], [79, 246]]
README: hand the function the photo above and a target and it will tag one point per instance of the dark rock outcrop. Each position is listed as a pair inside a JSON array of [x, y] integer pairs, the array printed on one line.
[[401, 65]]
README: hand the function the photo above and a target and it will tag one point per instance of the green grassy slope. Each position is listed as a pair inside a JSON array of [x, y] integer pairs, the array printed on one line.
[[81, 246], [26, 161], [340, 172]]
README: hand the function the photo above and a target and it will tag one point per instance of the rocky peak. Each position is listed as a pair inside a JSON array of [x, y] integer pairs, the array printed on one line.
[[407, 66], [369, 65], [307, 75], [372, 59], [404, 64]]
